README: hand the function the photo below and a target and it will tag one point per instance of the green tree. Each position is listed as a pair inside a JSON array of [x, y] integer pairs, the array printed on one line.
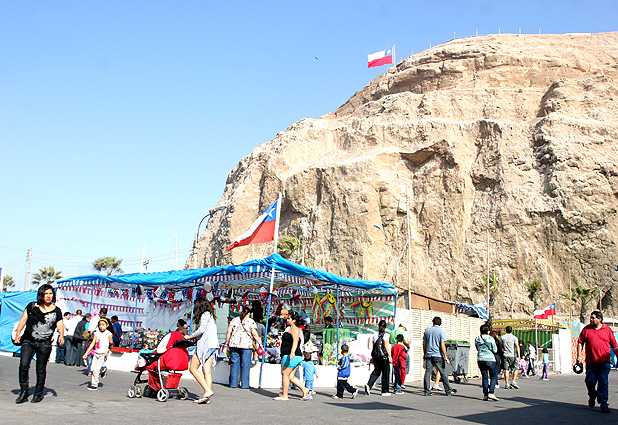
[[46, 275], [494, 287], [8, 282], [534, 291], [581, 296], [109, 265], [289, 248]]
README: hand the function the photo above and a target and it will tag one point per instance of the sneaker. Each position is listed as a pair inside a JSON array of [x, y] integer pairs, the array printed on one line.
[[497, 385], [507, 387], [354, 394], [591, 402], [398, 392], [367, 390], [309, 397], [492, 397], [514, 385], [386, 394], [605, 409], [545, 379], [427, 394], [335, 396], [452, 392], [91, 388], [437, 388], [403, 387], [90, 374]]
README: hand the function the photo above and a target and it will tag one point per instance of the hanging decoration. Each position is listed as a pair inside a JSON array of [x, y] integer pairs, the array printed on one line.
[[362, 308]]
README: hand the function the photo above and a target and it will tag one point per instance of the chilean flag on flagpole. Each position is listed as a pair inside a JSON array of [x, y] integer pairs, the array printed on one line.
[[383, 57], [544, 314], [262, 230]]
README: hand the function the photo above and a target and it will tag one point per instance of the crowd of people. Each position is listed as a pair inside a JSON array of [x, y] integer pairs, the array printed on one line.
[[85, 341]]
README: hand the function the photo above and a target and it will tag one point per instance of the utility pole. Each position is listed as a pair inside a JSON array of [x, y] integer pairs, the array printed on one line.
[[488, 308], [141, 270], [175, 251], [409, 253], [28, 269]]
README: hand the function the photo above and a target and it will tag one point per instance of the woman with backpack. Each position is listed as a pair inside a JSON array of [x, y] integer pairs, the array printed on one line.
[[381, 359]]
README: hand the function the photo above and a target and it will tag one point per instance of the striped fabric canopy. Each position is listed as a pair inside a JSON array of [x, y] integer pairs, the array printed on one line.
[[250, 276]]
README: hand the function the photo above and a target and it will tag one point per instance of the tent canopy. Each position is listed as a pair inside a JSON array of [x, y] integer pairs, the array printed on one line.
[[251, 276]]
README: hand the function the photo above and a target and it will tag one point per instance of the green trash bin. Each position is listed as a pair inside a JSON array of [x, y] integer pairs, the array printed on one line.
[[458, 353]]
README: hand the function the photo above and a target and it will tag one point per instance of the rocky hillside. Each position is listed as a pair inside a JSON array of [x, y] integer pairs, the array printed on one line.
[[505, 141]]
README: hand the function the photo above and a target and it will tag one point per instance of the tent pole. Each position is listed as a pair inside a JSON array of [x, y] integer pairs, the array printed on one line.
[[265, 337], [337, 358], [134, 318], [192, 305], [91, 299]]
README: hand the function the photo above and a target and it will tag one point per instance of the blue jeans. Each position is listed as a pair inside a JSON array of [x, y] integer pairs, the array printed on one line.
[[398, 382], [489, 373], [240, 361], [598, 373]]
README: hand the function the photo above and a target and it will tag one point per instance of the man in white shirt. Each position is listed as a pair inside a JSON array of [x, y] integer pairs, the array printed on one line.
[[532, 358], [69, 342]]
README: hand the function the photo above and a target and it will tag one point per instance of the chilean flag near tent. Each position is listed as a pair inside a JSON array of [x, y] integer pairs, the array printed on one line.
[[383, 57], [262, 230], [544, 314]]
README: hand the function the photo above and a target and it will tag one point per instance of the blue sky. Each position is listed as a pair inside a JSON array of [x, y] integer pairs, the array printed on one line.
[[119, 121]]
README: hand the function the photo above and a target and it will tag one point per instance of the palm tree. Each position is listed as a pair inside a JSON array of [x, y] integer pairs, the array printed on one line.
[[8, 282], [109, 265], [289, 248], [46, 275], [494, 287], [581, 296], [534, 290]]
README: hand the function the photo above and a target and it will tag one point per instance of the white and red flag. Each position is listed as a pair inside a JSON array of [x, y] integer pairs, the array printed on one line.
[[262, 230], [544, 314], [383, 57]]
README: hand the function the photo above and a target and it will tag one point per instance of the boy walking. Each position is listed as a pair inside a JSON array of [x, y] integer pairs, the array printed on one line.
[[399, 355], [343, 373]]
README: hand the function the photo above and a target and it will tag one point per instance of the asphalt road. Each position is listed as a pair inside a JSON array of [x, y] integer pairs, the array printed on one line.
[[562, 399]]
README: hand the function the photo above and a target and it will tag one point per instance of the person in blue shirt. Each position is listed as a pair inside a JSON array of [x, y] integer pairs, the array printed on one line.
[[309, 373], [116, 331], [434, 353], [343, 373]]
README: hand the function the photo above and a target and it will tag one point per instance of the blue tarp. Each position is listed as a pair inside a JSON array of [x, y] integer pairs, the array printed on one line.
[[13, 305], [251, 274]]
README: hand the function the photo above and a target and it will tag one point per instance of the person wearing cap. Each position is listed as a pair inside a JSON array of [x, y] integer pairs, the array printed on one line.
[[598, 340]]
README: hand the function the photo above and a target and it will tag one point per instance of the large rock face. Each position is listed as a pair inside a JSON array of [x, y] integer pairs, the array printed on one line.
[[506, 141]]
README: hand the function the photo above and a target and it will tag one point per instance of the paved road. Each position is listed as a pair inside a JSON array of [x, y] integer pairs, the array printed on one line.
[[562, 399]]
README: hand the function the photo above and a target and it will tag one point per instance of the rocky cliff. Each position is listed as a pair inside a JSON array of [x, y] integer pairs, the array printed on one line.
[[503, 144]]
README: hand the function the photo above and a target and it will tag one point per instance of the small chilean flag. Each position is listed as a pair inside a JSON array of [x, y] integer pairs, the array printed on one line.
[[383, 57], [544, 314], [261, 231]]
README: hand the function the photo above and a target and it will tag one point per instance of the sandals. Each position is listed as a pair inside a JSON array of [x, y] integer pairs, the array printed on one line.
[[279, 398], [203, 400]]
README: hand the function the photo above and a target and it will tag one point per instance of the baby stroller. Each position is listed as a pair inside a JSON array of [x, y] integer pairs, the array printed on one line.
[[163, 367]]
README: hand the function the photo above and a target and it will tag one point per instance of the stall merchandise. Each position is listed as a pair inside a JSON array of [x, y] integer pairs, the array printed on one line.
[[272, 280]]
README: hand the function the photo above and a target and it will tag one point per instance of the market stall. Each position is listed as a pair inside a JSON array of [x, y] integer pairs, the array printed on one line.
[[151, 302]]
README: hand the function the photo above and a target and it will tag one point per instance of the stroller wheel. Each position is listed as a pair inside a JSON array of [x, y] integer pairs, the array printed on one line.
[[163, 395], [183, 393], [131, 392], [138, 392]]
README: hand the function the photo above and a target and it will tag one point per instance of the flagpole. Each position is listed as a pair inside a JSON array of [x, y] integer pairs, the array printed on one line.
[[272, 284], [394, 57]]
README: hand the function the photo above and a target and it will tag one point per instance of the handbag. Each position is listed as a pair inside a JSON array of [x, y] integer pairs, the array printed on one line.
[[255, 345]]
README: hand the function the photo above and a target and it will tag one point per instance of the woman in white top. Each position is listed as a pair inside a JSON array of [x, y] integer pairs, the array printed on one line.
[[206, 349], [241, 337]]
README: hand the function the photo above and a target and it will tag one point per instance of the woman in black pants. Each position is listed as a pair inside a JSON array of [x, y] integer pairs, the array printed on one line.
[[39, 319], [381, 359]]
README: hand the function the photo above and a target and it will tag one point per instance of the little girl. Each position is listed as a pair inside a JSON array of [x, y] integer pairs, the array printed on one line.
[[523, 366], [102, 343], [545, 376]]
